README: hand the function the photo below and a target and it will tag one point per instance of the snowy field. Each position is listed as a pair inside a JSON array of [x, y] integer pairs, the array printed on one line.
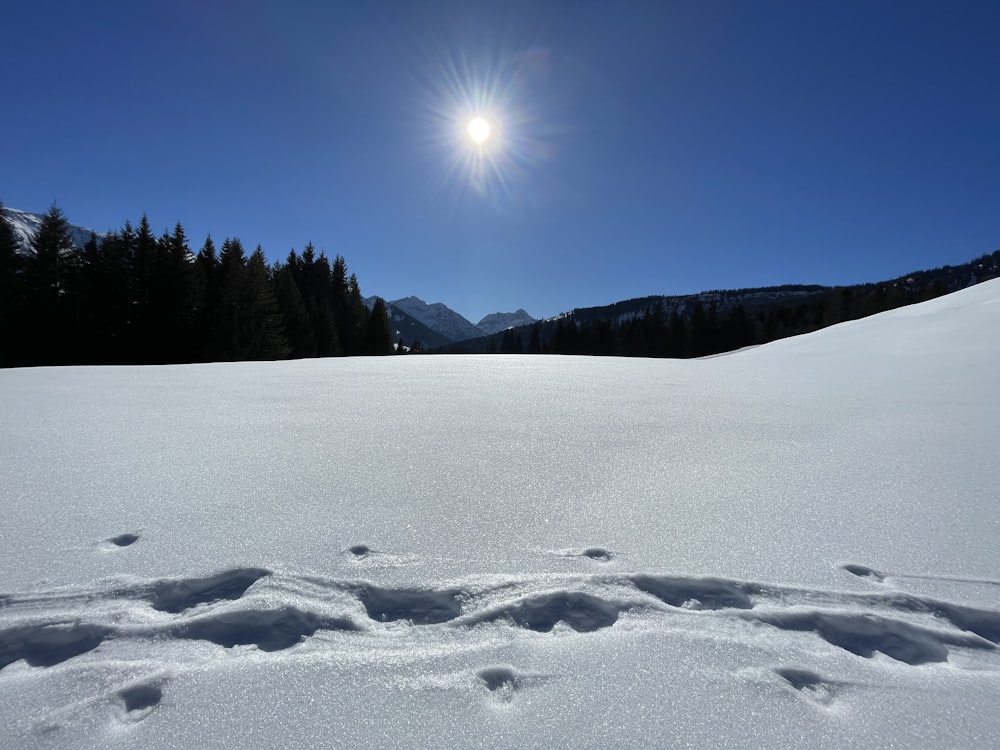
[[792, 546]]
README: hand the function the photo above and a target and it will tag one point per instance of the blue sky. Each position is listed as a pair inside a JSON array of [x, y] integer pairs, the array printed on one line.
[[637, 148]]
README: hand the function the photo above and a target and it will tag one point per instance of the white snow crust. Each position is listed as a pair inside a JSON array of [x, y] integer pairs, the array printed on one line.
[[796, 545]]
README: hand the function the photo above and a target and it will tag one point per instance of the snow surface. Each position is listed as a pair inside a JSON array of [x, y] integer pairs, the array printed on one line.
[[791, 546]]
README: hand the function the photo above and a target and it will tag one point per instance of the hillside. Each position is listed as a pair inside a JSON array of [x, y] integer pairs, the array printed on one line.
[[717, 321]]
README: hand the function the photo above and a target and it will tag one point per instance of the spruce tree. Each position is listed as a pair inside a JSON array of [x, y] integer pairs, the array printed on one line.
[[535, 342], [173, 298], [10, 267], [265, 338], [206, 292], [379, 334], [230, 312], [45, 273], [297, 323]]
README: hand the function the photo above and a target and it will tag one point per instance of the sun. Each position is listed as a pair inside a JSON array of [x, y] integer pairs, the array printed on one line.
[[481, 120], [478, 130]]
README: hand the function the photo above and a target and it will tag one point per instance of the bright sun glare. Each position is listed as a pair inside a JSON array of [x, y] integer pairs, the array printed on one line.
[[478, 129], [479, 119]]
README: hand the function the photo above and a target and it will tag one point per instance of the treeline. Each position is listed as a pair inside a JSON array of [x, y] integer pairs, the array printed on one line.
[[696, 326], [133, 298], [652, 334]]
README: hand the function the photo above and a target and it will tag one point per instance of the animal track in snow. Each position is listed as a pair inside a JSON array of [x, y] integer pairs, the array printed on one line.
[[864, 634], [862, 571], [269, 630], [185, 593], [141, 696], [502, 682], [253, 606], [580, 611], [810, 684], [697, 593], [597, 554], [124, 540], [419, 606], [49, 644]]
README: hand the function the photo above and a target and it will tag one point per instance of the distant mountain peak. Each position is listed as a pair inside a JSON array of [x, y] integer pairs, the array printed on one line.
[[500, 321], [438, 317], [25, 225]]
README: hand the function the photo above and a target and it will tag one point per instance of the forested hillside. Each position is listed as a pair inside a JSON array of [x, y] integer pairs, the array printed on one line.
[[698, 325], [130, 297]]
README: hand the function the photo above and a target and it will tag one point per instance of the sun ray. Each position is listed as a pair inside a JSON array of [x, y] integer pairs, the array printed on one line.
[[479, 122]]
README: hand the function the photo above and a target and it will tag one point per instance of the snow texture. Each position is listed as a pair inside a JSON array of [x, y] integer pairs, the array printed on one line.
[[791, 546]]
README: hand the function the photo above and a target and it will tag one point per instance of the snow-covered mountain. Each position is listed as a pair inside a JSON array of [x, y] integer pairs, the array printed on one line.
[[455, 327], [438, 317], [404, 326], [499, 321], [25, 226]]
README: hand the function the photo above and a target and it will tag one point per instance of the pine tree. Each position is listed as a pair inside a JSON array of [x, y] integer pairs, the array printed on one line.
[[143, 270], [535, 342], [226, 343], [341, 306], [173, 298], [206, 292], [45, 273], [10, 268], [357, 316], [379, 335], [108, 281], [265, 338], [510, 343], [297, 323]]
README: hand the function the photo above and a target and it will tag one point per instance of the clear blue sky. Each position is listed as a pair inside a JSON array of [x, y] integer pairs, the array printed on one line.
[[638, 148]]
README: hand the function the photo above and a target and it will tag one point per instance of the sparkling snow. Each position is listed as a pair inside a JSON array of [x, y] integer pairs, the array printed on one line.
[[793, 545]]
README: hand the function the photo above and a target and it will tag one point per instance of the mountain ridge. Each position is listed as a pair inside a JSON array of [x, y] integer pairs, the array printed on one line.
[[25, 225]]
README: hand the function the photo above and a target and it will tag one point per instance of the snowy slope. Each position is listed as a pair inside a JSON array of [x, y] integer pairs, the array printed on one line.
[[25, 226], [499, 321], [790, 546]]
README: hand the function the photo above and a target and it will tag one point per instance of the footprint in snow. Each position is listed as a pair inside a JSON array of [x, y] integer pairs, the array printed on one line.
[[114, 543], [502, 682], [597, 554], [140, 698], [810, 684], [862, 571]]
